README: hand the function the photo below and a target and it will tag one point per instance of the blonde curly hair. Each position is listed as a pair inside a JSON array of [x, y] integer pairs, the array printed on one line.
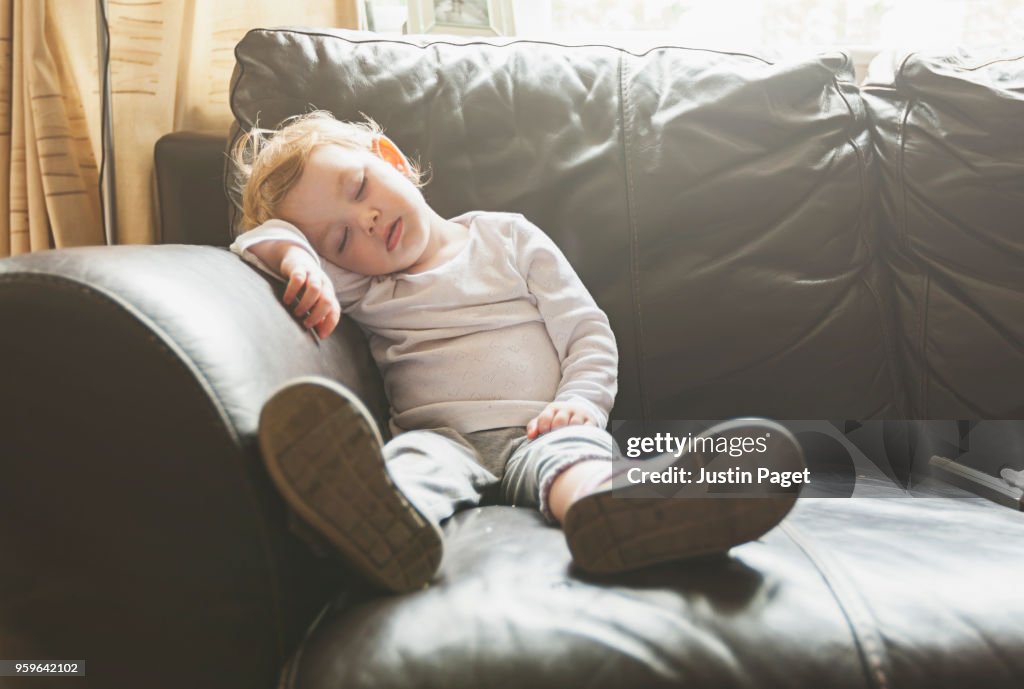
[[270, 162]]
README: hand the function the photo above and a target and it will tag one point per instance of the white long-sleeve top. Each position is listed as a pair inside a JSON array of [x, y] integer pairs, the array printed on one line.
[[485, 340]]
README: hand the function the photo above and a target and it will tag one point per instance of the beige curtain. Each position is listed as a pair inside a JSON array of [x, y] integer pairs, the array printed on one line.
[[171, 62], [48, 147]]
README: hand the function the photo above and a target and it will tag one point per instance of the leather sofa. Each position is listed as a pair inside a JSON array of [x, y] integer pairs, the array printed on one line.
[[767, 239]]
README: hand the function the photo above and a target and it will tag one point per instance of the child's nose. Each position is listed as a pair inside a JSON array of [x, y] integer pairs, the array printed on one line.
[[370, 220]]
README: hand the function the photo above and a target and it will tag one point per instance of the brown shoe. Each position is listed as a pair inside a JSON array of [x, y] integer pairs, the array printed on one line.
[[323, 451], [639, 525]]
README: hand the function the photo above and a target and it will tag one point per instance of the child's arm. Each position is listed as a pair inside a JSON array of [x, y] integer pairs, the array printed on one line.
[[280, 249], [579, 330]]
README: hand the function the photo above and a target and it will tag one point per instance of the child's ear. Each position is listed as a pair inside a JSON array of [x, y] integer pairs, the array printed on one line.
[[386, 149]]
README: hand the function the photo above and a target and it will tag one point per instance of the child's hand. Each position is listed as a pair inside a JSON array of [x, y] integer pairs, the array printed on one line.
[[318, 308], [556, 415]]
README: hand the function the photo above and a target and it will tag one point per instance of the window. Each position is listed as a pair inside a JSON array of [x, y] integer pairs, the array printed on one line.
[[386, 16], [784, 23], [860, 27]]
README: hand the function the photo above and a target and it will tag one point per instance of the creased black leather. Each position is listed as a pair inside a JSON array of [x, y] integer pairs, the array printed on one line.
[[949, 131], [849, 593], [132, 487]]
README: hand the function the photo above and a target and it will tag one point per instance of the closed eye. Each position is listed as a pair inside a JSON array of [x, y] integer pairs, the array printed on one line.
[[362, 188], [344, 240]]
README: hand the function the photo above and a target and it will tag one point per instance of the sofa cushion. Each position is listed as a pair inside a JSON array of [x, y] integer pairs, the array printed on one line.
[[949, 133], [855, 593], [717, 205]]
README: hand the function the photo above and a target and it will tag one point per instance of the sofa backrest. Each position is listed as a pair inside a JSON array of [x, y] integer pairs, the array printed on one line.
[[718, 206], [949, 134]]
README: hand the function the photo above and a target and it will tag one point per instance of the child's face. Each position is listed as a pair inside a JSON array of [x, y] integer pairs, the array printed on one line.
[[360, 211]]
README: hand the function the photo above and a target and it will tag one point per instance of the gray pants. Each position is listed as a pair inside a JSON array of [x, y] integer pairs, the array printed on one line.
[[442, 471]]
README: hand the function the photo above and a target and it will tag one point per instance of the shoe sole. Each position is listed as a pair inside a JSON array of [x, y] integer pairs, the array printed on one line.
[[323, 452], [608, 533]]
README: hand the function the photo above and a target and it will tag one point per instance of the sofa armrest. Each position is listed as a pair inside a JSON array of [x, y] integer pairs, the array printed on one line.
[[138, 528], [189, 180]]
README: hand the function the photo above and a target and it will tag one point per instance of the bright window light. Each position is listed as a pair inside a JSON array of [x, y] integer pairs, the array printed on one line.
[[782, 23]]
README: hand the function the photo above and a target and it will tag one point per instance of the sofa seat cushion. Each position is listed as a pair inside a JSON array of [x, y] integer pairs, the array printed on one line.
[[847, 593]]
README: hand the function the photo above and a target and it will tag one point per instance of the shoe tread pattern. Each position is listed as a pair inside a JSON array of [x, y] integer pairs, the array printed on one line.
[[324, 456]]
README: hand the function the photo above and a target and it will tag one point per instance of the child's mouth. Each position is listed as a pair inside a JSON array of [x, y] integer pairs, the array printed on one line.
[[394, 234]]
